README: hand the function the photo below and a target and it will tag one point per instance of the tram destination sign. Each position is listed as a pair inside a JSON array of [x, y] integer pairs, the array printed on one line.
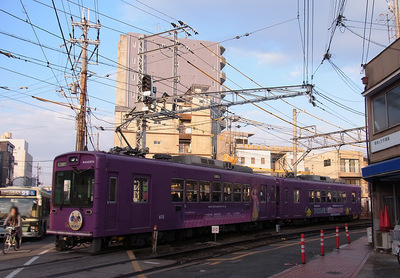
[[17, 192]]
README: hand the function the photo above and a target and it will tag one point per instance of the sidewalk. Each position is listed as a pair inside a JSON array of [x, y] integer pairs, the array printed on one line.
[[345, 262]]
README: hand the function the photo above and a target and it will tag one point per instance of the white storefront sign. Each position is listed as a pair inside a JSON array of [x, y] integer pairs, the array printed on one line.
[[385, 142]]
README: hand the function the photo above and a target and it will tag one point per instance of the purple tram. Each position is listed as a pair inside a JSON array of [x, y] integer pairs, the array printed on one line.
[[103, 198]]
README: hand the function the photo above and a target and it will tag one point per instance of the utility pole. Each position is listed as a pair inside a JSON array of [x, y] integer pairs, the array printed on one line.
[[294, 161], [175, 66], [84, 24], [396, 17], [38, 169]]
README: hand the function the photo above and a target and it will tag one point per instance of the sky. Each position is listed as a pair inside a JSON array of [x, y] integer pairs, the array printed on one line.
[[272, 55]]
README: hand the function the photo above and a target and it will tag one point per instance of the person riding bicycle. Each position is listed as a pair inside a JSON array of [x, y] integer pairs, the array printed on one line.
[[14, 220]]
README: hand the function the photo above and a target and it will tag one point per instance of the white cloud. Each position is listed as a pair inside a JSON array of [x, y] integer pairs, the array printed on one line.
[[270, 58]]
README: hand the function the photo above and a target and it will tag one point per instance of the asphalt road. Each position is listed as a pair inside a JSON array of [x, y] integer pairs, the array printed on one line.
[[37, 258]]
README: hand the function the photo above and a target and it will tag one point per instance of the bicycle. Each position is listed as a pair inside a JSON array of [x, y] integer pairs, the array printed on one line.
[[398, 253], [10, 241]]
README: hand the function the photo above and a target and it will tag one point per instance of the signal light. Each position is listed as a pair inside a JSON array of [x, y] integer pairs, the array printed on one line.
[[146, 83]]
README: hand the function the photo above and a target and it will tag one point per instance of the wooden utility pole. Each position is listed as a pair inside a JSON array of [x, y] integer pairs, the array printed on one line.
[[294, 163], [84, 41]]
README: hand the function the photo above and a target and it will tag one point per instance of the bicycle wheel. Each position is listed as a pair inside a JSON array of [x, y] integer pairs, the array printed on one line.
[[6, 244]]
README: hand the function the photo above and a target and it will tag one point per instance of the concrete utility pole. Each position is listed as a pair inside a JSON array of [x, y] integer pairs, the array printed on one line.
[[84, 42], [294, 161], [81, 118], [396, 16]]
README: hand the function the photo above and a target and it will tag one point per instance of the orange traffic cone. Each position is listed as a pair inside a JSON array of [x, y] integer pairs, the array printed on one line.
[[386, 220], [381, 224]]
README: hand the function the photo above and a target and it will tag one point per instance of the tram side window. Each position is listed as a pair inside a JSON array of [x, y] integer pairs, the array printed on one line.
[[353, 197], [339, 196], [318, 196], [333, 196], [177, 190], [112, 190], [344, 197], [192, 191], [140, 190], [227, 192], [296, 196], [311, 196], [246, 193], [263, 194], [237, 192], [216, 192], [204, 191], [329, 197], [323, 196]]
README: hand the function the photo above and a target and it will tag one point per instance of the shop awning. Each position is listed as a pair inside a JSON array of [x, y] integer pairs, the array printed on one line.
[[388, 168]]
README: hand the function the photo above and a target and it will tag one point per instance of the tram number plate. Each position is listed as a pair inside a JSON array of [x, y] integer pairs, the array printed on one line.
[[215, 229]]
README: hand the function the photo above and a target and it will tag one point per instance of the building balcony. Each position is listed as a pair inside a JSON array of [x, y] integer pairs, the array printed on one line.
[[222, 62], [222, 76], [221, 50], [185, 136]]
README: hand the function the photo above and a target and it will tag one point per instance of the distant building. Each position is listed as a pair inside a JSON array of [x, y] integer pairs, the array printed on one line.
[[382, 102], [340, 166], [269, 160], [6, 163], [22, 161]]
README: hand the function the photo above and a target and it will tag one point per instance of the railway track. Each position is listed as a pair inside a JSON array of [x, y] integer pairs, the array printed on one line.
[[187, 254]]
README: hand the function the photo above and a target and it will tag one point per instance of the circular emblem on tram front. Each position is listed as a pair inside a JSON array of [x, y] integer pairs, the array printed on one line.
[[75, 220]]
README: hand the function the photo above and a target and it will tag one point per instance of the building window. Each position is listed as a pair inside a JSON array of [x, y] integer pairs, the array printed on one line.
[[140, 190], [134, 60], [242, 160], [213, 83], [386, 110], [177, 190], [327, 162], [253, 160], [352, 181], [157, 142], [134, 77], [262, 160], [349, 165]]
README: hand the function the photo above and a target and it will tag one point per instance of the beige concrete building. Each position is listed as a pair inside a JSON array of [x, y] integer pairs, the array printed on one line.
[[269, 160], [193, 133], [341, 166]]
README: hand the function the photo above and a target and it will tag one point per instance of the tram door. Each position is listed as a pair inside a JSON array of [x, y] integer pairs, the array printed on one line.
[[278, 201], [140, 202], [111, 207]]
